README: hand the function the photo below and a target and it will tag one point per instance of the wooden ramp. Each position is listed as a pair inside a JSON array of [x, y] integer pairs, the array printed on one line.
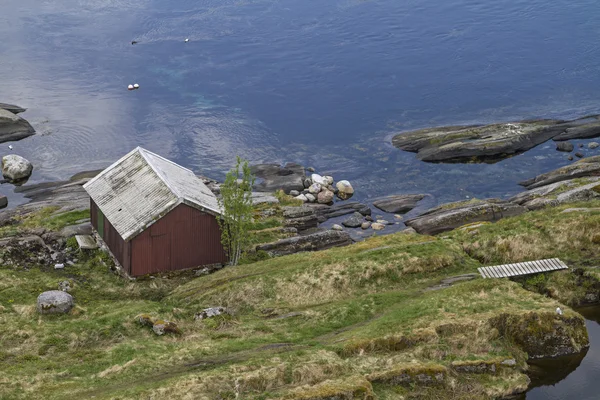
[[524, 268]]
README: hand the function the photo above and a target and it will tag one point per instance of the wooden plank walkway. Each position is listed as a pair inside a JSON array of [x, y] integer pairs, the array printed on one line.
[[524, 268], [86, 242]]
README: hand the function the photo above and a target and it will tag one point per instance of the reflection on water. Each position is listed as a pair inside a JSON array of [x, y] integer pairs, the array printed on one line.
[[572, 377], [320, 83]]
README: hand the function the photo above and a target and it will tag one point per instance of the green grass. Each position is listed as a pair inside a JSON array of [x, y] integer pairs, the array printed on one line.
[[309, 324]]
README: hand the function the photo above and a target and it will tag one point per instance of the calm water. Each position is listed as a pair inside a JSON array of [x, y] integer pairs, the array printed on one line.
[[323, 83]]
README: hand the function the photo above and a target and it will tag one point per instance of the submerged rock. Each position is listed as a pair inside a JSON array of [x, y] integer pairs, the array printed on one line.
[[398, 203], [453, 215], [54, 302], [565, 146], [16, 168], [13, 127], [313, 242], [274, 177], [3, 201]]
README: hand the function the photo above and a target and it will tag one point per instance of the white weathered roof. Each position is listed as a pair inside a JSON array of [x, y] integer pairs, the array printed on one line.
[[142, 187]]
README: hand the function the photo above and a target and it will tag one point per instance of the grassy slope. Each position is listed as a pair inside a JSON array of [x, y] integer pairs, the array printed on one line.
[[363, 313]]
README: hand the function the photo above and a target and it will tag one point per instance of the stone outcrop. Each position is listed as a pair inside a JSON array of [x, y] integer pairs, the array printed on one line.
[[491, 143], [325, 212], [13, 127], [453, 215], [583, 168], [301, 218], [398, 203], [273, 177], [554, 194], [54, 302], [13, 108], [313, 242]]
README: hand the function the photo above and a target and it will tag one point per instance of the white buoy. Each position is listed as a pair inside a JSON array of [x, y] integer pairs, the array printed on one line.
[[136, 86], [186, 40], [10, 147], [130, 87], [558, 311]]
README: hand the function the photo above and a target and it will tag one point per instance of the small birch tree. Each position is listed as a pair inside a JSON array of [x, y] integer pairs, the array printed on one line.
[[236, 208]]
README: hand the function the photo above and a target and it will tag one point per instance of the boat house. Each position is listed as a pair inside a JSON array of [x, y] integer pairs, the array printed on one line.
[[155, 215]]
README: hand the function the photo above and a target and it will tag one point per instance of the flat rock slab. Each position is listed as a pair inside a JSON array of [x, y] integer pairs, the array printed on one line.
[[86, 242], [453, 215], [398, 203], [13, 127], [313, 242], [12, 108], [274, 177], [583, 168], [491, 143], [264, 198]]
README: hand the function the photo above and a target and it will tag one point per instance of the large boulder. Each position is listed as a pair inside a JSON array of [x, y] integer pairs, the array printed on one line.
[[490, 143], [12, 108], [583, 168], [325, 197], [13, 127], [54, 302], [398, 203], [313, 242], [450, 216], [344, 190], [273, 177], [16, 168]]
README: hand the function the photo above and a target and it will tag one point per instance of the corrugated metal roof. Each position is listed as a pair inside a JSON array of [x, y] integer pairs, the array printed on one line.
[[141, 187]]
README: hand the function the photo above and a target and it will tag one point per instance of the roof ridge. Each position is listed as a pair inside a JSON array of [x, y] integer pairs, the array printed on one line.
[[162, 177]]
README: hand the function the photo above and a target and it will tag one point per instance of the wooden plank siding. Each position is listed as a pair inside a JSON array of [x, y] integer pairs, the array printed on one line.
[[184, 238], [118, 247]]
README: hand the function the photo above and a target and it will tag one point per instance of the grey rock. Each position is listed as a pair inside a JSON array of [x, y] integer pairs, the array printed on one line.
[[369, 218], [54, 302], [337, 227], [344, 190], [264, 198], [580, 210], [377, 226], [13, 127], [580, 145], [584, 128], [3, 201], [302, 198], [294, 193], [324, 212], [273, 177], [328, 180], [565, 146], [313, 242], [301, 218], [79, 229], [579, 154], [16, 168], [511, 362], [310, 197], [210, 313], [453, 215], [325, 197], [315, 188], [383, 222], [354, 221], [310, 169], [570, 158], [316, 178], [12, 108], [365, 225], [398, 203], [307, 182], [593, 145], [583, 168]]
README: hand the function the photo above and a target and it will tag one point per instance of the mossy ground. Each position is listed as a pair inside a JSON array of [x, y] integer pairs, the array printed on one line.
[[303, 326]]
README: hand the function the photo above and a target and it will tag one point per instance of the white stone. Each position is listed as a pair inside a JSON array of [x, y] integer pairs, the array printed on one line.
[[16, 168], [337, 227], [302, 198], [130, 87], [345, 190], [316, 178], [328, 180], [59, 266], [315, 188], [136, 86]]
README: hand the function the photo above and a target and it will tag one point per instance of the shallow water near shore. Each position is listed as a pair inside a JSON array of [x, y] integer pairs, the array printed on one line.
[[572, 377], [325, 84]]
